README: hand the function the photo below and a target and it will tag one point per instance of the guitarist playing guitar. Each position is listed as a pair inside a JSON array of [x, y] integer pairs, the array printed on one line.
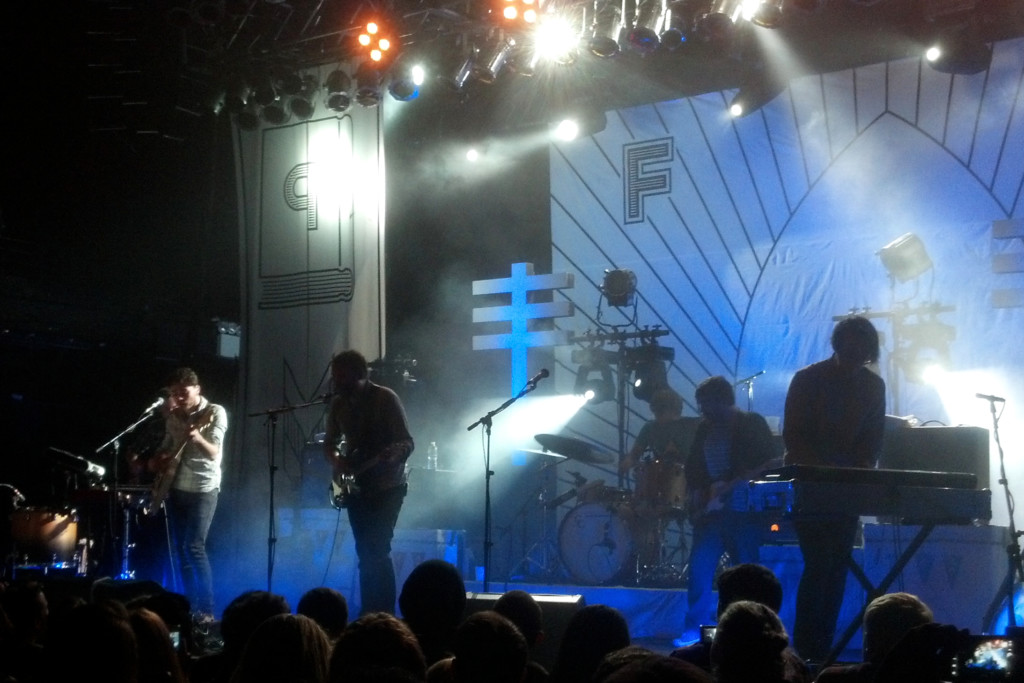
[[377, 443], [730, 447], [188, 472]]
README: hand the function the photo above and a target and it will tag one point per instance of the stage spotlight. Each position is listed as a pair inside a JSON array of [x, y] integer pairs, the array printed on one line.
[[264, 92], [492, 56], [458, 65], [237, 95], [905, 258], [368, 81], [606, 28], [644, 37], [926, 356], [598, 389], [767, 14], [647, 364], [303, 103], [405, 82], [680, 21], [276, 114], [718, 26], [556, 40], [619, 287], [377, 42], [338, 86], [248, 118], [959, 54], [754, 95], [517, 12], [579, 124]]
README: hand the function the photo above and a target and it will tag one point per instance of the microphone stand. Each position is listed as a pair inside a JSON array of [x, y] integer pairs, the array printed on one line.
[[272, 414], [486, 421], [1016, 569], [749, 383], [126, 573]]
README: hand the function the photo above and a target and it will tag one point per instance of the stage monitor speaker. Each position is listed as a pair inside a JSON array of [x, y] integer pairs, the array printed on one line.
[[556, 609], [938, 449]]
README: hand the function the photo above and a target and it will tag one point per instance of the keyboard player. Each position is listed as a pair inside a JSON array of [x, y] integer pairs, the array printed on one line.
[[834, 416]]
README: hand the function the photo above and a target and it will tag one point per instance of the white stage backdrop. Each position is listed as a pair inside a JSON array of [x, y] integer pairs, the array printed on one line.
[[312, 199], [747, 236]]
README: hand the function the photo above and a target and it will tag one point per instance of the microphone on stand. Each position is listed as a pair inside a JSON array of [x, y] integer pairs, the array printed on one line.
[[156, 404], [990, 398], [538, 377]]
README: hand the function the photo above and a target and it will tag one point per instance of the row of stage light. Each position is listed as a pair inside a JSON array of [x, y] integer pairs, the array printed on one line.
[[521, 38]]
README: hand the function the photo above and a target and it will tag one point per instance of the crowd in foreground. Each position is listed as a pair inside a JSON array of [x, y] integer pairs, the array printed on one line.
[[151, 638]]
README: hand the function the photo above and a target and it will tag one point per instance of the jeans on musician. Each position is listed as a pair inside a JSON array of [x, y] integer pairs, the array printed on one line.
[[825, 545], [191, 515], [373, 517], [714, 534]]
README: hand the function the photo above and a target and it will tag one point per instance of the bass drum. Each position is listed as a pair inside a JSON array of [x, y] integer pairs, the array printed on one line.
[[596, 542]]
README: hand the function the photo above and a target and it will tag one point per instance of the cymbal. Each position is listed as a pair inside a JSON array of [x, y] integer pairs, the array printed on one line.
[[576, 449], [549, 454]]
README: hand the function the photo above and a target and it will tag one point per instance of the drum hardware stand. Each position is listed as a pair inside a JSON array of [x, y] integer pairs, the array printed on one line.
[[548, 566], [486, 421]]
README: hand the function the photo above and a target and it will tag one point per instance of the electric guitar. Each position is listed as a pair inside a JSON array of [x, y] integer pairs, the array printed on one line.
[[165, 477], [343, 485]]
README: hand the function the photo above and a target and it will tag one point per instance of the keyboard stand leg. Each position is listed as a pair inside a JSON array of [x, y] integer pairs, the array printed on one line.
[[875, 591]]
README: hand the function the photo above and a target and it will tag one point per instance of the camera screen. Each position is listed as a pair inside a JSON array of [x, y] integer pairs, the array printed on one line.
[[176, 639], [988, 658], [707, 633]]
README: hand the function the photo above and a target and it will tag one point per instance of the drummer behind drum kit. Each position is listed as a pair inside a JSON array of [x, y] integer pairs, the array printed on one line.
[[615, 535]]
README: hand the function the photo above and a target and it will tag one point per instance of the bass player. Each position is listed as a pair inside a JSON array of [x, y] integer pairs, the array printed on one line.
[[188, 475], [376, 445]]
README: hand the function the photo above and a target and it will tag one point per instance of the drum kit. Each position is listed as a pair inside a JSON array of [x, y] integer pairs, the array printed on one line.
[[618, 535], [59, 539]]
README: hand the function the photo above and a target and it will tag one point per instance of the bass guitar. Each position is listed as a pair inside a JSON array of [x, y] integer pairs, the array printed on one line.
[[164, 478]]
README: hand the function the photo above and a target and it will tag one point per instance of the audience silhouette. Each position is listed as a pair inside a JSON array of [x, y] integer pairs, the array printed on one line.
[[432, 602], [102, 638], [327, 607], [376, 642], [286, 648], [592, 632]]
